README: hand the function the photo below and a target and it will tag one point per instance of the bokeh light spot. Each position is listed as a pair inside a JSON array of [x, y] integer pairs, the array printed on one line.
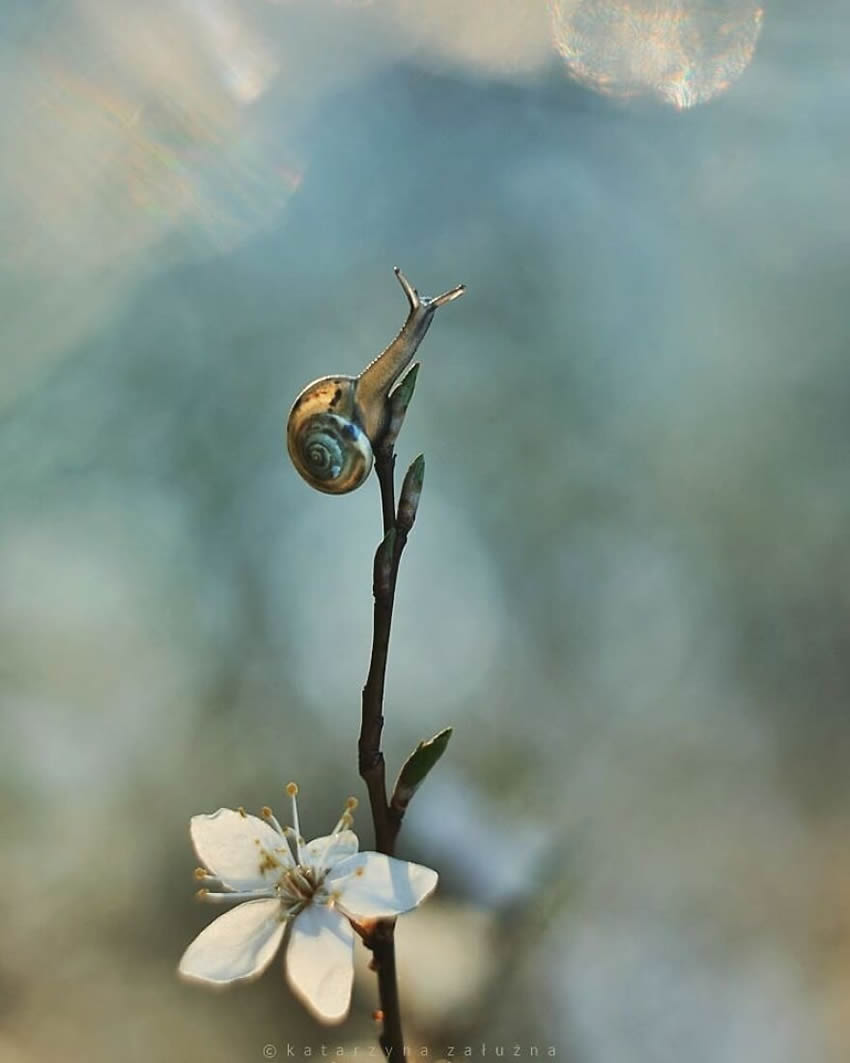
[[681, 52]]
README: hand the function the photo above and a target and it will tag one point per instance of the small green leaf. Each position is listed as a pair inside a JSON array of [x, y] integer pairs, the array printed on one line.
[[398, 402], [403, 392], [418, 765]]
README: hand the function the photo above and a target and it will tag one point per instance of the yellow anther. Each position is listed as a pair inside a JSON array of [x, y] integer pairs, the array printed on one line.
[[292, 788], [266, 812], [351, 804], [202, 893], [268, 861], [242, 812], [200, 873]]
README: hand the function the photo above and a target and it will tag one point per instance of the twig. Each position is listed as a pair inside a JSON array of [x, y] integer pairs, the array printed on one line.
[[373, 384], [384, 469], [380, 937]]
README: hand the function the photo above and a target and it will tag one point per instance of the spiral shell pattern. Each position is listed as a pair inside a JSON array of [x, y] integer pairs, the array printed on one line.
[[331, 452]]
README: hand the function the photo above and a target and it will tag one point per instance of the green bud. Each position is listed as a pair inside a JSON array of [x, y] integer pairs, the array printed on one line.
[[398, 401], [417, 766], [411, 489]]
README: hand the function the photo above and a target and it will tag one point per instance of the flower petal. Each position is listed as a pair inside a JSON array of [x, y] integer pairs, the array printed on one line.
[[374, 886], [241, 850], [319, 962], [333, 848], [236, 947]]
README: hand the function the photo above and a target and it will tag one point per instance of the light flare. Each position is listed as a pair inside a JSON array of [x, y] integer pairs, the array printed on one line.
[[681, 52]]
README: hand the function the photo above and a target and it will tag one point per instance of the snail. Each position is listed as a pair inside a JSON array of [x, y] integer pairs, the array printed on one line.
[[337, 422]]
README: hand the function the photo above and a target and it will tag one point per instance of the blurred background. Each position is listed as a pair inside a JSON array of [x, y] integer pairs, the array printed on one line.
[[629, 585]]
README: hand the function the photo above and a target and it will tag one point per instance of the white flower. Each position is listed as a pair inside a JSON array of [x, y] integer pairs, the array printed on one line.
[[317, 886]]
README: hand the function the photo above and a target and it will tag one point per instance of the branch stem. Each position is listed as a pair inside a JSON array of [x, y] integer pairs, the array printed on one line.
[[387, 821]]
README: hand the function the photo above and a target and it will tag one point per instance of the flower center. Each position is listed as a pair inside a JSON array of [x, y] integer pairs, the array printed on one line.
[[298, 886]]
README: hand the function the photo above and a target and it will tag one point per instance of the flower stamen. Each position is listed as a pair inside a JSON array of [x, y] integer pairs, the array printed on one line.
[[292, 790], [345, 822], [235, 895], [298, 887], [271, 819]]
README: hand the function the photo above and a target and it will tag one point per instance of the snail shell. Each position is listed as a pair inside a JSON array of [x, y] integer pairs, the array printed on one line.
[[325, 439], [337, 421]]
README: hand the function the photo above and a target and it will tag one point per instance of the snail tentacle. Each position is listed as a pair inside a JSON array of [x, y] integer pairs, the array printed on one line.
[[407, 288], [449, 296]]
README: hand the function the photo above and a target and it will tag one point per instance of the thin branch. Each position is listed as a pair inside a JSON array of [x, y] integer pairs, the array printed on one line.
[[375, 382], [384, 469], [380, 938], [382, 944]]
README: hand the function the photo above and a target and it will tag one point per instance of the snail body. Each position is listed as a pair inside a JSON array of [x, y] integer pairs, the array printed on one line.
[[337, 422]]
